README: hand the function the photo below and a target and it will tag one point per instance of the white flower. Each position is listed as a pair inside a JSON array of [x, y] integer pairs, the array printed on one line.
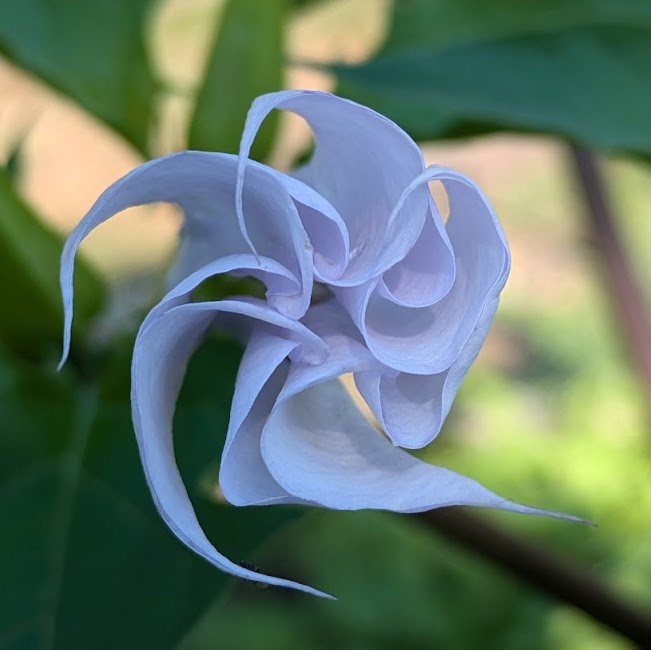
[[412, 301]]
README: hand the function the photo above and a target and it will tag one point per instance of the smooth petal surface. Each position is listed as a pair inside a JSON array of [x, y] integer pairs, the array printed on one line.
[[244, 478], [361, 164], [412, 408], [319, 447], [428, 340], [324, 226], [428, 271], [203, 185], [165, 342]]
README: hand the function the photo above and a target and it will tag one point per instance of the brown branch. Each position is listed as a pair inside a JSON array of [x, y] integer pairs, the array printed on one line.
[[542, 570], [630, 305]]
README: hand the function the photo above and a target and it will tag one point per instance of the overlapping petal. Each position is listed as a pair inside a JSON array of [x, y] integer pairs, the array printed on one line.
[[166, 340], [202, 185], [361, 165], [320, 449], [412, 408], [428, 340], [411, 301]]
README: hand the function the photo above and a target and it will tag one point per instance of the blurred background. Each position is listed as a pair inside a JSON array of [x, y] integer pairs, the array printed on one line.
[[554, 413]]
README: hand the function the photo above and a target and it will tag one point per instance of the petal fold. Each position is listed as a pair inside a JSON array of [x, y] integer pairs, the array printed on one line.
[[361, 164], [428, 340], [203, 185], [163, 347]]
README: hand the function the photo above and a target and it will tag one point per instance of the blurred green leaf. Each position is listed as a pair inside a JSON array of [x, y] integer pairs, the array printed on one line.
[[92, 52], [423, 24], [32, 316], [246, 61], [84, 556], [576, 69]]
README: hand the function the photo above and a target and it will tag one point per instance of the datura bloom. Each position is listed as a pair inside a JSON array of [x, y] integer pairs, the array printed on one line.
[[410, 299]]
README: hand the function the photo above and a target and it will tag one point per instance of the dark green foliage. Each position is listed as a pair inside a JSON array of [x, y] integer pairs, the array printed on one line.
[[84, 555], [579, 70], [32, 315]]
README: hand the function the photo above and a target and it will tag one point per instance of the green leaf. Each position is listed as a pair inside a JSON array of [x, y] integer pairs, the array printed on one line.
[[424, 24], [32, 316], [579, 70], [92, 52], [84, 556], [246, 61]]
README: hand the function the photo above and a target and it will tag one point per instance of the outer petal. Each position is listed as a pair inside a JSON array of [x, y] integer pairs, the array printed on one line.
[[361, 164], [165, 343], [319, 447], [203, 184], [428, 340]]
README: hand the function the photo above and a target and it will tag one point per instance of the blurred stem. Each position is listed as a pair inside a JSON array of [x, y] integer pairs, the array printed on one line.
[[630, 305], [542, 570]]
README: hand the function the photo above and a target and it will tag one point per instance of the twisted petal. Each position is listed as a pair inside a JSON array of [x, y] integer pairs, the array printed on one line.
[[427, 273], [319, 447], [165, 342], [203, 184], [412, 408], [361, 164], [428, 340]]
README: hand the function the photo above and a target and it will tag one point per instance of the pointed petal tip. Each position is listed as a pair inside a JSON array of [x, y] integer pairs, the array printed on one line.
[[512, 506], [64, 357], [320, 594], [286, 584]]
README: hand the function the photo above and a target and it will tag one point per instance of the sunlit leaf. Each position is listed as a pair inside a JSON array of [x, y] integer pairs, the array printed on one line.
[[246, 61], [92, 52]]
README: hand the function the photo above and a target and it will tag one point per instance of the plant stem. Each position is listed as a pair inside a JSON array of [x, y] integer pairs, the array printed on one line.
[[542, 570], [630, 305]]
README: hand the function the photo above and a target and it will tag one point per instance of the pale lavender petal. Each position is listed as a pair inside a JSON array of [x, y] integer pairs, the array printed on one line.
[[163, 346], [324, 226], [361, 164], [319, 447], [427, 273], [244, 478], [428, 340], [202, 184], [412, 408], [267, 270], [407, 407]]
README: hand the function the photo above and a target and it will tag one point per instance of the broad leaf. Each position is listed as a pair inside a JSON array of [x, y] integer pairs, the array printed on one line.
[[92, 52], [424, 24], [246, 61], [32, 317], [84, 556], [575, 69]]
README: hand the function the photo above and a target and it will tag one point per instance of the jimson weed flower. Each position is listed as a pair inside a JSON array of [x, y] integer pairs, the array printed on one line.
[[410, 302]]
